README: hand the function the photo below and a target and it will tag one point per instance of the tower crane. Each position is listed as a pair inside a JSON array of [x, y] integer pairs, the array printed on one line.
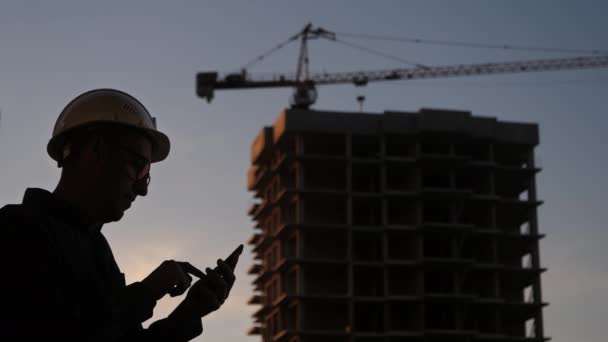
[[305, 84]]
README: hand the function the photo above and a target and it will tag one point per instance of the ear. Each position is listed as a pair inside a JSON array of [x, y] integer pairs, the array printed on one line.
[[91, 151], [99, 148]]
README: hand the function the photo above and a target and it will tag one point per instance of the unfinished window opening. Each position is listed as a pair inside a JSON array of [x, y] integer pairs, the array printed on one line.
[[480, 249], [271, 257], [513, 326], [438, 246], [369, 317], [404, 316], [435, 148], [324, 144], [467, 248], [528, 294], [513, 214], [367, 246], [437, 211], [439, 281], [524, 196], [479, 214], [440, 316], [436, 178], [326, 280], [487, 321], [402, 246], [290, 246], [325, 210], [478, 181], [365, 146], [325, 244], [524, 228], [401, 211], [403, 281], [290, 213], [482, 284], [273, 290], [526, 261], [291, 317], [512, 154], [288, 177], [509, 258], [277, 219], [368, 281], [271, 222], [325, 316], [485, 250], [366, 211], [477, 150], [290, 282], [365, 177], [400, 146], [400, 177], [511, 185], [511, 229], [530, 327], [274, 324], [329, 175], [470, 320]]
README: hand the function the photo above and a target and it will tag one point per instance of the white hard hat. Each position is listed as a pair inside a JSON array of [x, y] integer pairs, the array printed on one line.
[[109, 106]]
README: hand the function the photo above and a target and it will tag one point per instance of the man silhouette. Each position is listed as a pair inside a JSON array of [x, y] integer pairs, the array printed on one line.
[[60, 280]]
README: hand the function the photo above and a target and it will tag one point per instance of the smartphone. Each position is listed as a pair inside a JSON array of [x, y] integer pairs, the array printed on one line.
[[233, 258]]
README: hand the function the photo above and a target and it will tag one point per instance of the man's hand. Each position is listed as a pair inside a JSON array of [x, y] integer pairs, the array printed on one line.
[[172, 277], [209, 293]]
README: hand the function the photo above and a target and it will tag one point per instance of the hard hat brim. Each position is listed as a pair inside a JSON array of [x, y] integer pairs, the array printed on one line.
[[160, 142]]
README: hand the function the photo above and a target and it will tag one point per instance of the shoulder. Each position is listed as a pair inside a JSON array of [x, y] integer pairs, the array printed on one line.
[[17, 225], [12, 213]]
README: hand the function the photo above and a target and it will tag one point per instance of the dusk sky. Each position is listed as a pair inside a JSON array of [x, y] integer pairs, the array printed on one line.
[[196, 211]]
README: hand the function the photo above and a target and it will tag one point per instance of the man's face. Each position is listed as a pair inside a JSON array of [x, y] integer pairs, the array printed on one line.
[[124, 175]]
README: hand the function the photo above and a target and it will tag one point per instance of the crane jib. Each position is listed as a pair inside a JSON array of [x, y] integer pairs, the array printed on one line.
[[207, 82]]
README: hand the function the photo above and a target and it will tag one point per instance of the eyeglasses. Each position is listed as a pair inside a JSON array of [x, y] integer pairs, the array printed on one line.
[[138, 167]]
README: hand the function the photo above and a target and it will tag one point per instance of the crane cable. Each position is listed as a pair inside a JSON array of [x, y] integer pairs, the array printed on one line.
[[269, 52], [336, 40], [416, 41], [469, 44], [379, 53]]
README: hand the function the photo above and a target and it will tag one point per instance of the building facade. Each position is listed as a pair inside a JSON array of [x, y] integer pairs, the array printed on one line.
[[395, 227]]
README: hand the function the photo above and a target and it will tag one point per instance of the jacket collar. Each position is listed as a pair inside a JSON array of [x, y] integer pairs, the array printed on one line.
[[40, 201]]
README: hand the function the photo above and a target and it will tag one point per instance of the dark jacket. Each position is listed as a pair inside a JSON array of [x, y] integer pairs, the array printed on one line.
[[60, 281]]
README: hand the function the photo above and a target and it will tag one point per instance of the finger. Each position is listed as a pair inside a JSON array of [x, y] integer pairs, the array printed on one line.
[[179, 289], [224, 269], [218, 284], [206, 298], [188, 268], [182, 282]]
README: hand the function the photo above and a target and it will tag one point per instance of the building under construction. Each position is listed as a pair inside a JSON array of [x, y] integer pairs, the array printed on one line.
[[395, 227]]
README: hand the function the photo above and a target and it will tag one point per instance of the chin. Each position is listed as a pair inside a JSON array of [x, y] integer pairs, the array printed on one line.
[[115, 216]]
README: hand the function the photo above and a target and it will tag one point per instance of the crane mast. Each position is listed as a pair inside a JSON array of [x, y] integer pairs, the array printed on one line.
[[305, 83]]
